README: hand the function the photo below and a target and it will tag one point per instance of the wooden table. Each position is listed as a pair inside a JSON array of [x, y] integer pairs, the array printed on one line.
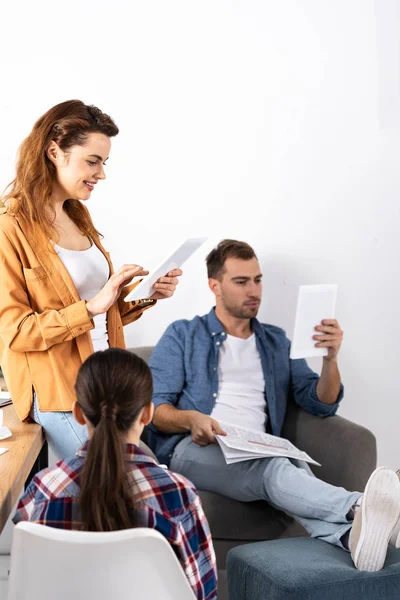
[[27, 454]]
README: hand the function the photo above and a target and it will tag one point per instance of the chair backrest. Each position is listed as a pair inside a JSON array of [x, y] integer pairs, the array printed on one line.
[[132, 564], [143, 351]]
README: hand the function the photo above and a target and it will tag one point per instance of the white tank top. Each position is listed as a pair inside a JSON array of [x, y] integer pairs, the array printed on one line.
[[89, 271]]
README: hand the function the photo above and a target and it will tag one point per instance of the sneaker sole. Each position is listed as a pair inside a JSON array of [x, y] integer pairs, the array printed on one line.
[[380, 512], [396, 541]]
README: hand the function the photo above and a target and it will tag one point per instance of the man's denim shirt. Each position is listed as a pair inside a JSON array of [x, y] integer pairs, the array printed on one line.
[[184, 365]]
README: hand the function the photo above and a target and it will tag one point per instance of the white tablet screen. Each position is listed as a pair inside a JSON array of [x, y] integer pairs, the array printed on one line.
[[145, 288], [314, 303]]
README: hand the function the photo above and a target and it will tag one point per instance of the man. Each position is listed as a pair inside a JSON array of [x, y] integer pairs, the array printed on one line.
[[227, 366]]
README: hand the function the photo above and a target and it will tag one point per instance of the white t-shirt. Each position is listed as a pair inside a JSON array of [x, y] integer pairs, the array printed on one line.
[[241, 390], [89, 271]]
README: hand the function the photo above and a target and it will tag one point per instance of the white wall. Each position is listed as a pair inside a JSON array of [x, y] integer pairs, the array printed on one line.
[[273, 122]]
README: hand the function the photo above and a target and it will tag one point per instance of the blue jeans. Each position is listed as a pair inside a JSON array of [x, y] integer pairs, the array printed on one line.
[[322, 509], [63, 434]]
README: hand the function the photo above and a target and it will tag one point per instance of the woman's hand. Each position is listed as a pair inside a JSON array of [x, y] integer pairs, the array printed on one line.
[[111, 291], [165, 286]]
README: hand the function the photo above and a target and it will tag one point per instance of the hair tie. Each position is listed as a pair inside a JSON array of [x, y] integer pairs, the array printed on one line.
[[108, 412]]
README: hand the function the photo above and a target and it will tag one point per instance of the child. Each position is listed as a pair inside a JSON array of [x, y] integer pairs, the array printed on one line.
[[111, 483]]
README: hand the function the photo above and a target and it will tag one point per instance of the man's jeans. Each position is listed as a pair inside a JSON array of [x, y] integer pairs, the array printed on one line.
[[323, 509]]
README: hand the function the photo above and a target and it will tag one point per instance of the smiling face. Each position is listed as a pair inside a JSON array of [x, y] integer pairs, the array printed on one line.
[[80, 167], [239, 289]]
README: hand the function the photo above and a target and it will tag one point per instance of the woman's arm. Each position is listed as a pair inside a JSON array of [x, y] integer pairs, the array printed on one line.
[[164, 287], [131, 311]]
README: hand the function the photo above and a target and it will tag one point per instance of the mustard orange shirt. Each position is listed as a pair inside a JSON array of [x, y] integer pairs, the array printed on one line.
[[44, 325]]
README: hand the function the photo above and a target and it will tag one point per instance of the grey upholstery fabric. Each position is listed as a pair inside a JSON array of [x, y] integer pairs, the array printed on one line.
[[306, 569], [346, 451], [144, 352], [143, 446]]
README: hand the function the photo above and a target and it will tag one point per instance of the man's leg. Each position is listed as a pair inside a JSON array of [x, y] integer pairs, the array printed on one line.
[[323, 510]]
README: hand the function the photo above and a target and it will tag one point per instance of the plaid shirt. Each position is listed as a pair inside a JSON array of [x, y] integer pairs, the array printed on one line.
[[164, 501]]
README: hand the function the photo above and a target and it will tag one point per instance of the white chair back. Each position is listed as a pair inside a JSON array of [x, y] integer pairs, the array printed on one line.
[[132, 564]]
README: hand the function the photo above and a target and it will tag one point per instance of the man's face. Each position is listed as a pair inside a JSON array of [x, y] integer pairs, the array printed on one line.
[[239, 290]]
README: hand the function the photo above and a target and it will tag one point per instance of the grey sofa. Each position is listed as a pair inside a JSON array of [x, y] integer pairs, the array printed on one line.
[[346, 451]]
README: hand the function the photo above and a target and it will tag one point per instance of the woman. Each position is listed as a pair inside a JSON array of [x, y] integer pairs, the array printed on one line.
[[60, 299], [111, 484]]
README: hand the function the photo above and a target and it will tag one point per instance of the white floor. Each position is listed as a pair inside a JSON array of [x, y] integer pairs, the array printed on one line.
[[4, 568], [5, 549]]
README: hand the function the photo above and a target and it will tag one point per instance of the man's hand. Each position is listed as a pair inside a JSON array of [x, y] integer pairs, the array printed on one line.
[[330, 337], [203, 429]]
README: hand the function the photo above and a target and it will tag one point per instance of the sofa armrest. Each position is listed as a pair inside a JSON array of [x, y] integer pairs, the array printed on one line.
[[346, 451]]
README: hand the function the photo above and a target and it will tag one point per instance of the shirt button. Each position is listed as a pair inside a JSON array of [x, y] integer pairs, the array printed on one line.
[[213, 333], [214, 368], [218, 343], [214, 395], [223, 333]]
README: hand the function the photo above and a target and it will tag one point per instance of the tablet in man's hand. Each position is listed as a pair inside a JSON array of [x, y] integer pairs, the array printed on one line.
[[314, 303]]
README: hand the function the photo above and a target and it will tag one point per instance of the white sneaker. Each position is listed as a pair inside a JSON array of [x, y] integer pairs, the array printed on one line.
[[395, 537], [375, 520]]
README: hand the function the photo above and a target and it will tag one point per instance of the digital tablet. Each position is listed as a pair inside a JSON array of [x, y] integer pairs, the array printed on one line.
[[145, 289], [5, 398], [314, 303]]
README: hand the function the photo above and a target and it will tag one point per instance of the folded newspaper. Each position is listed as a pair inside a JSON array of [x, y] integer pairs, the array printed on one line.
[[246, 444]]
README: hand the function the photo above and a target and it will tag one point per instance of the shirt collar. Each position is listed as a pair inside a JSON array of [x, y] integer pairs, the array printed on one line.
[[133, 454], [214, 324]]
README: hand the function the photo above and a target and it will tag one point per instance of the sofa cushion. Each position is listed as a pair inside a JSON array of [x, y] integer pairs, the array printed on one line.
[[246, 521]]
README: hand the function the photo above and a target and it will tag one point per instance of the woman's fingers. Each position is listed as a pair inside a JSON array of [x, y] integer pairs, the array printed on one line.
[[129, 269], [175, 273], [126, 273], [171, 280]]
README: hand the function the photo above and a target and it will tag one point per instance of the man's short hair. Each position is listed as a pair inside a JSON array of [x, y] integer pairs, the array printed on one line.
[[227, 249]]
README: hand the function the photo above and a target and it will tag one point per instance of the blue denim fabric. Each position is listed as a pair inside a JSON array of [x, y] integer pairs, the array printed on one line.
[[184, 365], [289, 485], [64, 435]]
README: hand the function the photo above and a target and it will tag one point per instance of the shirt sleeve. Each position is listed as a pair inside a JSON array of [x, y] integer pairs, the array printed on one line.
[[194, 549], [304, 387], [168, 369], [23, 329], [26, 504], [131, 311]]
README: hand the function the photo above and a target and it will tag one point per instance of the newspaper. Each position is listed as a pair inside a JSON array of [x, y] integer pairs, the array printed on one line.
[[246, 444]]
